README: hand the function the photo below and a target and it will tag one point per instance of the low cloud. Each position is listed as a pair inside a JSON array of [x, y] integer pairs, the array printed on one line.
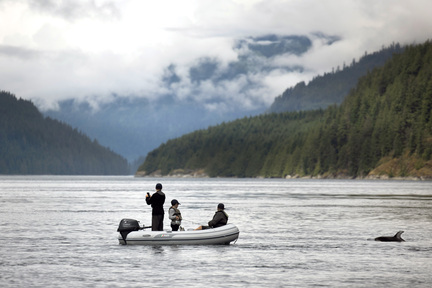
[[75, 9], [22, 53]]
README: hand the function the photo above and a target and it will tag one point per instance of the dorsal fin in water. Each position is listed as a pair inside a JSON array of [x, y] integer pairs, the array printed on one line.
[[398, 236]]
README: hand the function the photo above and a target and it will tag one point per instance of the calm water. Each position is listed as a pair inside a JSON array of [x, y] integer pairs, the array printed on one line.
[[61, 232]]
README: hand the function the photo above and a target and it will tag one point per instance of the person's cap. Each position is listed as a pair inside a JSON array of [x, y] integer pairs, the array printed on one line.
[[158, 186], [174, 202], [221, 206]]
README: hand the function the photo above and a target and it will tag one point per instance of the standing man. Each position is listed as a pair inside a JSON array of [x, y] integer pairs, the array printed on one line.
[[157, 200]]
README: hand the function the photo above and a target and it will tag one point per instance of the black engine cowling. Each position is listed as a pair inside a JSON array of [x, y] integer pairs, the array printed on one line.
[[126, 226]]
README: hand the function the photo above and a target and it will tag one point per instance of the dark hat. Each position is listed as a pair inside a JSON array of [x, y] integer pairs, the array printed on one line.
[[221, 206], [159, 186], [174, 202]]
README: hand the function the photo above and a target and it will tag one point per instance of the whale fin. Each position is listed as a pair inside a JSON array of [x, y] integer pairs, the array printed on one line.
[[398, 236]]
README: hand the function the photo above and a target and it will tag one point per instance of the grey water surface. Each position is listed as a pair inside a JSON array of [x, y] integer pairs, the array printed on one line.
[[60, 231]]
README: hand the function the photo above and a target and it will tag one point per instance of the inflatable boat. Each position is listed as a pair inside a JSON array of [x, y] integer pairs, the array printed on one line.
[[132, 234]]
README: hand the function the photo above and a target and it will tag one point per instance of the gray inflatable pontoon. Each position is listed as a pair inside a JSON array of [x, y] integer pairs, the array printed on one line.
[[214, 236]]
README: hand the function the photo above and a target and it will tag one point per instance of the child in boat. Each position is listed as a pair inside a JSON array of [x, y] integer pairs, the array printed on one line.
[[175, 215], [219, 219]]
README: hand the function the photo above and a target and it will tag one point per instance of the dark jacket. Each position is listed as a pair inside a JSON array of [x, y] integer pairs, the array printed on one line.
[[157, 200], [219, 219]]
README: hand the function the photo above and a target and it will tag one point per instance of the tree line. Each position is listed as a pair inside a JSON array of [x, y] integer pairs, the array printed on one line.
[[33, 144], [386, 116]]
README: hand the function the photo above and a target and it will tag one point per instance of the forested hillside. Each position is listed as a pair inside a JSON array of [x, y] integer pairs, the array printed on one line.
[[331, 88], [384, 127], [32, 144]]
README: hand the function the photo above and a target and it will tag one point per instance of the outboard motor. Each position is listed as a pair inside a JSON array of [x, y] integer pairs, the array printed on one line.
[[126, 226]]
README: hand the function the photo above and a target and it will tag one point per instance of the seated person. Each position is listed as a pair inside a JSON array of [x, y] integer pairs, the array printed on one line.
[[219, 219]]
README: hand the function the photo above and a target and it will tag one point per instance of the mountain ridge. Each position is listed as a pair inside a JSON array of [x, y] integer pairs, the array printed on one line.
[[35, 145], [385, 118], [332, 87]]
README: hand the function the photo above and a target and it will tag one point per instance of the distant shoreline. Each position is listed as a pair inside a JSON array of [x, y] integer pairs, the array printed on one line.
[[201, 174]]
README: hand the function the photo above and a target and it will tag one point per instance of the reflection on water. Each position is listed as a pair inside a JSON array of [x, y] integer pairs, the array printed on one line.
[[61, 231]]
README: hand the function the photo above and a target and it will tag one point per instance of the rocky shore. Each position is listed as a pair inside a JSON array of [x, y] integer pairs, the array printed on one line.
[[202, 174]]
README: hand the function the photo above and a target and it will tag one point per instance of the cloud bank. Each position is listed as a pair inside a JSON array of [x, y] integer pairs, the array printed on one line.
[[222, 54]]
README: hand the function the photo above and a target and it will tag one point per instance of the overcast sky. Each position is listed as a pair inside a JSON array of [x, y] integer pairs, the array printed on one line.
[[58, 49]]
